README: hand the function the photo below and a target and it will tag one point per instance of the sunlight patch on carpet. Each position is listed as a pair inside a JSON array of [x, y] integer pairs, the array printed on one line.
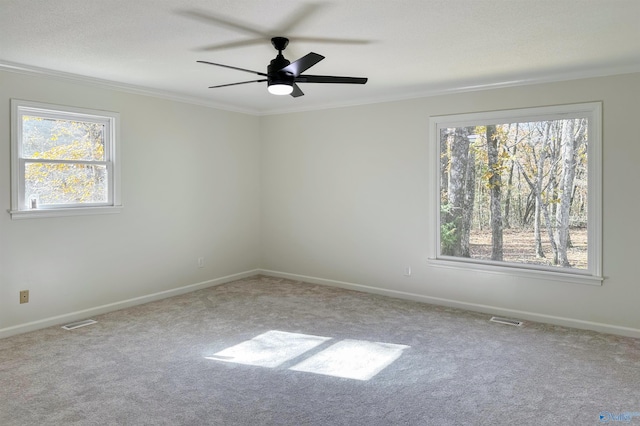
[[352, 359], [269, 349]]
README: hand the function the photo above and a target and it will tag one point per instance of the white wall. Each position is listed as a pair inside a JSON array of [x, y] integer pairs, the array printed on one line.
[[190, 189], [335, 196], [345, 201]]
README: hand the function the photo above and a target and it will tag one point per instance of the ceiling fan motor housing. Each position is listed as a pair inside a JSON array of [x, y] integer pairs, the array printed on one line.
[[274, 73]]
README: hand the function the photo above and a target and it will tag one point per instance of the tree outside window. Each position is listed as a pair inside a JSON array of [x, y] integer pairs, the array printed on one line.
[[63, 158], [520, 188]]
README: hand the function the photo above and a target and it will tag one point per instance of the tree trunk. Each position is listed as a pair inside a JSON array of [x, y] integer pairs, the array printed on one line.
[[570, 139], [444, 162], [467, 211], [554, 246], [506, 219], [507, 202], [458, 215], [537, 226], [495, 188], [536, 185]]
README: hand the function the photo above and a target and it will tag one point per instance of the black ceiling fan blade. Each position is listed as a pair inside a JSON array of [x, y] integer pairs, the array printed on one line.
[[231, 45], [296, 18], [330, 79], [294, 39], [208, 17], [233, 68], [235, 84], [296, 91], [293, 21], [261, 40], [301, 65]]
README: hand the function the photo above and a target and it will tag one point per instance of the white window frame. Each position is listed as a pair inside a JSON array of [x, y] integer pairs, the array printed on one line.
[[593, 112], [111, 120]]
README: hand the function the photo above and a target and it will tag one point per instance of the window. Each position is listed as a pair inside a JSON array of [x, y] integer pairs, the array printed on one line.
[[519, 191], [63, 161]]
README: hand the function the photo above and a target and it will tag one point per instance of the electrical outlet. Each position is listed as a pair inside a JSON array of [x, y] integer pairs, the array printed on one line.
[[407, 271], [24, 296], [201, 262]]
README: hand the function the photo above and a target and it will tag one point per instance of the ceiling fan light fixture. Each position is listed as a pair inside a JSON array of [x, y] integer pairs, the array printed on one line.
[[280, 89], [282, 75]]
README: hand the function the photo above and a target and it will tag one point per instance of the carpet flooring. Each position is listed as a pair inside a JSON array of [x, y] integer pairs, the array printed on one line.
[[270, 351]]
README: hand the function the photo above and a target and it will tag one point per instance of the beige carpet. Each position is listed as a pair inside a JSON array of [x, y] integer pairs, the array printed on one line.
[[266, 351]]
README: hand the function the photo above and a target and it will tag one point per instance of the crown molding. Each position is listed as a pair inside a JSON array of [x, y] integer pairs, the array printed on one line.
[[122, 87], [453, 88], [466, 87]]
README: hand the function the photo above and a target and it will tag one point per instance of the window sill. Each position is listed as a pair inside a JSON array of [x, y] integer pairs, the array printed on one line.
[[514, 271], [75, 211]]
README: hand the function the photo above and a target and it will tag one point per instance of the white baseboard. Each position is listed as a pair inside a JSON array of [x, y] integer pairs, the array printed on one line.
[[492, 310], [99, 310]]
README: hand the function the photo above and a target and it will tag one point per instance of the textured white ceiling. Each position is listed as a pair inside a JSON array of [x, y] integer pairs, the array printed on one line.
[[406, 48]]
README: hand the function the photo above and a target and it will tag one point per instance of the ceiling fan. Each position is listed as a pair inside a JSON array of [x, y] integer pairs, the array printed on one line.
[[282, 75]]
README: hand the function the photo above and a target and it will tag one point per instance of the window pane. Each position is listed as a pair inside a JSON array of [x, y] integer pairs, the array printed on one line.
[[515, 192], [56, 183], [53, 139]]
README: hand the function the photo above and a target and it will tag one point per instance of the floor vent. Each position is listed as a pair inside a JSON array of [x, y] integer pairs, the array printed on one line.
[[78, 324], [507, 321]]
